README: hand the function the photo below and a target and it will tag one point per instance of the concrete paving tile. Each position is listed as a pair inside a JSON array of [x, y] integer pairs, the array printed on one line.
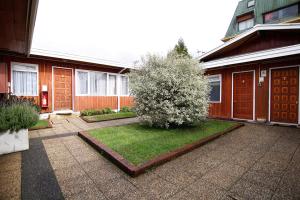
[[69, 173], [178, 177], [222, 180], [211, 161], [197, 168], [86, 157], [101, 177], [245, 158], [143, 179], [289, 186], [230, 169], [268, 180], [160, 188], [10, 166], [94, 165], [271, 167], [117, 188], [75, 185], [136, 195], [183, 195], [12, 157], [205, 190], [63, 163], [90, 193], [277, 156], [248, 190], [10, 182]]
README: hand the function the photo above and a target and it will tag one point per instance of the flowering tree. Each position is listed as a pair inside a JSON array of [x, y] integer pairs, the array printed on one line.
[[170, 91]]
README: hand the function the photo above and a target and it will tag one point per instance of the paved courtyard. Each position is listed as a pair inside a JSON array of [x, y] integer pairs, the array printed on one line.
[[253, 162]]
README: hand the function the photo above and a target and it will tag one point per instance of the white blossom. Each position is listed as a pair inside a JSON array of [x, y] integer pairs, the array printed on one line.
[[171, 91]]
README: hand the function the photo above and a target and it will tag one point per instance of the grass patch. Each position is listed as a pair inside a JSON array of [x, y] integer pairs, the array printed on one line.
[[105, 117], [41, 124], [138, 144]]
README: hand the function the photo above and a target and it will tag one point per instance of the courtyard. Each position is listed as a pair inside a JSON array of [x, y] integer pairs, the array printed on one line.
[[253, 162]]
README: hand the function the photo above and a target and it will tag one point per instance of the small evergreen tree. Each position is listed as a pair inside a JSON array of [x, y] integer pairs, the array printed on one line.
[[180, 49]]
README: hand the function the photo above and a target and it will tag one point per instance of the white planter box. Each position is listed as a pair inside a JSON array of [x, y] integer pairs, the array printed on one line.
[[14, 141]]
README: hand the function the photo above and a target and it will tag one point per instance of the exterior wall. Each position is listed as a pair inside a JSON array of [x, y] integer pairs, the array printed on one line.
[[223, 109], [45, 78], [3, 78]]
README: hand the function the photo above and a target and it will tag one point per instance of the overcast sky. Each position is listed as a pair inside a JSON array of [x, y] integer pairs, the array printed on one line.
[[124, 30]]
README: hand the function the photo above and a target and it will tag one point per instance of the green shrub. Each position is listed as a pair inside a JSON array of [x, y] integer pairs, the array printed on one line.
[[9, 100], [107, 111], [18, 116], [125, 109], [91, 112]]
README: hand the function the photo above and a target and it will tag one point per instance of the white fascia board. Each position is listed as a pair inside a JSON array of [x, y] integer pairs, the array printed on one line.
[[249, 57], [61, 55], [256, 28]]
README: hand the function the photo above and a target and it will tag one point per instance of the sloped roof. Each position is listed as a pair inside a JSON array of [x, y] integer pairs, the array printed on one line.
[[205, 58], [260, 7]]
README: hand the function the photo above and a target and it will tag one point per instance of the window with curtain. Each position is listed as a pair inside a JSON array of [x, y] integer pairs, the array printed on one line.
[[244, 25], [98, 83], [112, 84], [82, 82], [24, 79], [215, 88], [124, 85]]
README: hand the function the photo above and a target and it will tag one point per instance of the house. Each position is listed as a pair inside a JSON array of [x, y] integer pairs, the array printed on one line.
[[254, 75], [57, 81]]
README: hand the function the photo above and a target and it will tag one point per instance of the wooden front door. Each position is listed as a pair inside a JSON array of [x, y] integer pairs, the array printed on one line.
[[284, 95], [62, 89], [243, 92]]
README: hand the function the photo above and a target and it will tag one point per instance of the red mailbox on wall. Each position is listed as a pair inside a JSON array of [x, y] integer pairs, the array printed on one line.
[[44, 97]]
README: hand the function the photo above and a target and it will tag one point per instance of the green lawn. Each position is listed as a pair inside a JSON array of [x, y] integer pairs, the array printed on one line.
[[41, 124], [138, 143], [105, 117]]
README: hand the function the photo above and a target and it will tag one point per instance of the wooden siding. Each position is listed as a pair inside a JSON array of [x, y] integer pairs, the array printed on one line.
[[126, 101], [3, 78], [45, 78], [260, 41], [223, 109]]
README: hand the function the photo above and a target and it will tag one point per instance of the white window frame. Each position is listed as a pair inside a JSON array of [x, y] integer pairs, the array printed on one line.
[[219, 76], [128, 91], [77, 81], [251, 3], [13, 66], [246, 21], [118, 83]]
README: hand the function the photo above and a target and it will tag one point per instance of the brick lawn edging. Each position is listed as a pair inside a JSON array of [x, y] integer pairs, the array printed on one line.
[[135, 171], [94, 121]]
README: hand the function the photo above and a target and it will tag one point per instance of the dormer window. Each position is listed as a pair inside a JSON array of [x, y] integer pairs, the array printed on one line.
[[251, 3], [282, 14], [245, 21]]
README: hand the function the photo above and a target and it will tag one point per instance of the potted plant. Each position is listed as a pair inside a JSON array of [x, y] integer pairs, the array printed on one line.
[[16, 116]]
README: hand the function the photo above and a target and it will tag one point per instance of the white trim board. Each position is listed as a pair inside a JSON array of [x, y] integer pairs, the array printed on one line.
[[269, 102], [256, 28], [254, 95], [255, 56]]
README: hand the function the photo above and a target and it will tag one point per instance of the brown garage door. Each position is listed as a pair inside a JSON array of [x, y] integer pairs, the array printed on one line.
[[284, 95], [243, 95], [62, 89]]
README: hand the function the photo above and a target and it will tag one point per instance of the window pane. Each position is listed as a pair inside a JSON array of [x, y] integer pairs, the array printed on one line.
[[98, 83], [215, 91], [83, 82], [112, 87], [124, 85], [25, 83], [251, 3], [246, 24], [288, 12]]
